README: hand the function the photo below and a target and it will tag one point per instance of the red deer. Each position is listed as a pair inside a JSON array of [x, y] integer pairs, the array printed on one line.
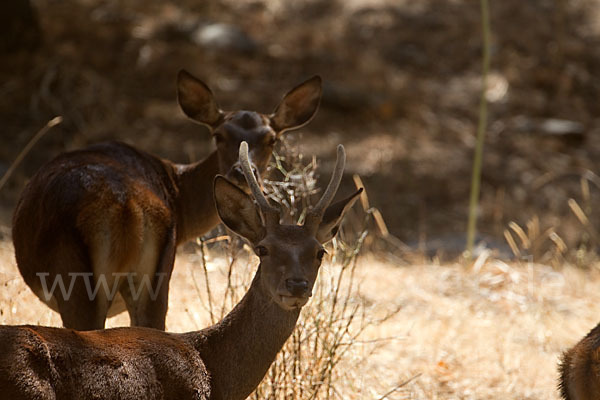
[[225, 361], [580, 369], [107, 219]]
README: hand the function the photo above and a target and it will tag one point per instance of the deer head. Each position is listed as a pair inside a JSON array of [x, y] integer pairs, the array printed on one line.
[[290, 255], [260, 131]]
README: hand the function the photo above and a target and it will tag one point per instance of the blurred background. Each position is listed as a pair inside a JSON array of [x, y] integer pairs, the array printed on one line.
[[402, 84]]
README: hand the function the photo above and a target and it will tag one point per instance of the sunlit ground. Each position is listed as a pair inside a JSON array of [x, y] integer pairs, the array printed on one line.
[[494, 331]]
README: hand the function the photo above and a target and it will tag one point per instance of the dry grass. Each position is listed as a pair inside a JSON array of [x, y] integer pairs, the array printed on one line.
[[494, 331]]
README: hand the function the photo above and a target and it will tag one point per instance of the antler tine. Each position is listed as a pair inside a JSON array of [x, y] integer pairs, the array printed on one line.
[[334, 183], [257, 192]]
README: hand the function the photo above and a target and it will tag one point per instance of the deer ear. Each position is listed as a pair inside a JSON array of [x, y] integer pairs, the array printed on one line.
[[330, 223], [197, 100], [237, 210], [298, 106]]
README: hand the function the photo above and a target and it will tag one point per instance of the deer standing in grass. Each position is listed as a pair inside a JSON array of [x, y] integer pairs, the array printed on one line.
[[106, 220], [225, 361], [580, 369]]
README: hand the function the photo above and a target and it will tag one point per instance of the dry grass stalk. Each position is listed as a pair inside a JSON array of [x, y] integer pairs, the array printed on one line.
[[535, 244], [52, 123]]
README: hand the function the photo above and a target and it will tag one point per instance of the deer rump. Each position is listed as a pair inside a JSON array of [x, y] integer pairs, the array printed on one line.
[[99, 206]]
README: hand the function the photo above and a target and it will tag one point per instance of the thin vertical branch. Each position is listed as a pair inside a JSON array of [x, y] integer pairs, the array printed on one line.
[[481, 129], [229, 289], [206, 280]]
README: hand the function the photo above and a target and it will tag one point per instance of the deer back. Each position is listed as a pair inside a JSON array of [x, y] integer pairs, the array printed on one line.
[[124, 363]]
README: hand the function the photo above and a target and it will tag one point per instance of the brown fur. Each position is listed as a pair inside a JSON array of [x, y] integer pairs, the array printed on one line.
[[112, 208], [226, 361], [580, 369], [124, 363]]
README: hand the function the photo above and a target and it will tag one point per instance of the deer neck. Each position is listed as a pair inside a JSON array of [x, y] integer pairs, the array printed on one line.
[[196, 212], [239, 350]]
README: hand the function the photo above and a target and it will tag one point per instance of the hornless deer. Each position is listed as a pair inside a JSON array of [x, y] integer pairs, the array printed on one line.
[[580, 369], [225, 361], [108, 219]]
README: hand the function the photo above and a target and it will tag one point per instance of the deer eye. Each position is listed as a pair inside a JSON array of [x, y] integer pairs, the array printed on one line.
[[320, 254], [261, 251], [218, 137], [270, 139]]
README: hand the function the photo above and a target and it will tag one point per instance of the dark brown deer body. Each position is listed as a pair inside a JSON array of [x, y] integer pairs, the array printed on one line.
[[106, 220], [225, 361], [580, 369]]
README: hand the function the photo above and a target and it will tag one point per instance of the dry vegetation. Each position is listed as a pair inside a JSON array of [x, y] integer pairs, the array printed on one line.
[[492, 331]]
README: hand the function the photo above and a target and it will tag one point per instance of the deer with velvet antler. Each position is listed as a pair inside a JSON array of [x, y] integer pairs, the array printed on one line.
[[225, 361]]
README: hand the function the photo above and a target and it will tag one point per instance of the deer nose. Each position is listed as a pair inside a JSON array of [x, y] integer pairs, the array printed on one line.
[[297, 287]]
